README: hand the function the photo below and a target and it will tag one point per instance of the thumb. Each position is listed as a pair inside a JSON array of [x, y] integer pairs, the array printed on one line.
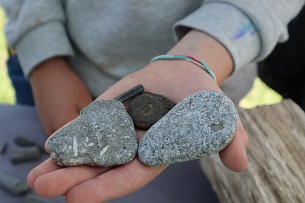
[[234, 156]]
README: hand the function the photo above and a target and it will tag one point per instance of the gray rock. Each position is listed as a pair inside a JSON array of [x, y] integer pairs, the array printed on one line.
[[23, 141], [12, 184], [103, 135], [24, 154], [3, 146], [202, 124]]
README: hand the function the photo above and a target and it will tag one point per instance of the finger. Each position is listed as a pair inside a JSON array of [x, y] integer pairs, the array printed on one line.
[[58, 182], [45, 167], [234, 156], [115, 183]]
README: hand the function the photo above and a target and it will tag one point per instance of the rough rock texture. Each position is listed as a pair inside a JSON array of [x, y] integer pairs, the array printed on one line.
[[202, 124], [103, 135]]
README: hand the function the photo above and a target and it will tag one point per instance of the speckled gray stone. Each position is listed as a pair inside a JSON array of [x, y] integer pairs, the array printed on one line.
[[103, 135], [202, 124]]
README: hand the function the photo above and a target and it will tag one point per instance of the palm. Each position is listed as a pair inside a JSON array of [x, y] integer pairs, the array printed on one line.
[[98, 184], [81, 182]]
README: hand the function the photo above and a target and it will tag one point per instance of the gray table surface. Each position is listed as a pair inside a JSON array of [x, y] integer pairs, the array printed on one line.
[[180, 183]]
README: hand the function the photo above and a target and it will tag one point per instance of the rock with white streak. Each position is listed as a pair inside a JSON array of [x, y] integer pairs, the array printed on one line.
[[202, 124], [103, 135]]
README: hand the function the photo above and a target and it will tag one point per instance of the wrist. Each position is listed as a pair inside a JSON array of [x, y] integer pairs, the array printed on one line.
[[178, 79], [204, 47], [190, 59]]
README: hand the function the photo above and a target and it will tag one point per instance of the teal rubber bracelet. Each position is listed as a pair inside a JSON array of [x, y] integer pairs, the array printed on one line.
[[191, 59]]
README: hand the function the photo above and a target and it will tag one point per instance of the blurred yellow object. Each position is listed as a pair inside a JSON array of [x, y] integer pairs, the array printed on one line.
[[7, 92], [259, 95]]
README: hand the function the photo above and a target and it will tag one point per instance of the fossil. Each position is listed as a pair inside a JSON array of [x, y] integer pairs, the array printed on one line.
[[23, 141], [12, 184], [147, 108], [24, 154], [103, 135]]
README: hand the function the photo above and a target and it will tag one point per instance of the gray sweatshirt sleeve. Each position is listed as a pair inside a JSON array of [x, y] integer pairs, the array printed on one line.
[[248, 29], [36, 28]]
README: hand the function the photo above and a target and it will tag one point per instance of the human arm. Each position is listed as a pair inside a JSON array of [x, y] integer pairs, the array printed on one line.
[[58, 92], [175, 80], [248, 29], [35, 30], [128, 178], [38, 35]]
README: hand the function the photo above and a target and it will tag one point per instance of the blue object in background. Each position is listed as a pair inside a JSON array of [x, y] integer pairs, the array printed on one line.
[[21, 85]]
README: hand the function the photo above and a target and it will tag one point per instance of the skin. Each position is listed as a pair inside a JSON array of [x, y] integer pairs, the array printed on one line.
[[175, 80], [59, 94]]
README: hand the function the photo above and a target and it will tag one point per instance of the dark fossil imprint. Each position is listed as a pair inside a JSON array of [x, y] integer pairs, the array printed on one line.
[[147, 108]]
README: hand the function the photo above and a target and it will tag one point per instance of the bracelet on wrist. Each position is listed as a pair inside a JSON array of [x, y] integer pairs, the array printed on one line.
[[191, 59]]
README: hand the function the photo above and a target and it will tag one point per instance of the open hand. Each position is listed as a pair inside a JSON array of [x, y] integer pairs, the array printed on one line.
[[99, 184]]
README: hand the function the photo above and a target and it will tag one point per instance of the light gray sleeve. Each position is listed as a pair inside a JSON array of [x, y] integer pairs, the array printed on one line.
[[35, 29], [248, 29]]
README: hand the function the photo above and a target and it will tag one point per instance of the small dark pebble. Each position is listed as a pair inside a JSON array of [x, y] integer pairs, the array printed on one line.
[[12, 184], [130, 93], [25, 142], [147, 108], [3, 147], [31, 198], [25, 154]]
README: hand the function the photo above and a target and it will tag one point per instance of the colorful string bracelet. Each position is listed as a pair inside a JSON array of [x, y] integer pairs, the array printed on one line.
[[186, 58]]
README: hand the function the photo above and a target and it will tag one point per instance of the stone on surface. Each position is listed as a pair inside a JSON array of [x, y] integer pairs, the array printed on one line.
[[12, 184], [3, 146], [202, 124], [103, 135], [23, 141], [25, 154]]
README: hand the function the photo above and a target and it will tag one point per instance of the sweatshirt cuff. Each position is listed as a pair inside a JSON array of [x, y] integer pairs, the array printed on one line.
[[227, 24], [43, 42]]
